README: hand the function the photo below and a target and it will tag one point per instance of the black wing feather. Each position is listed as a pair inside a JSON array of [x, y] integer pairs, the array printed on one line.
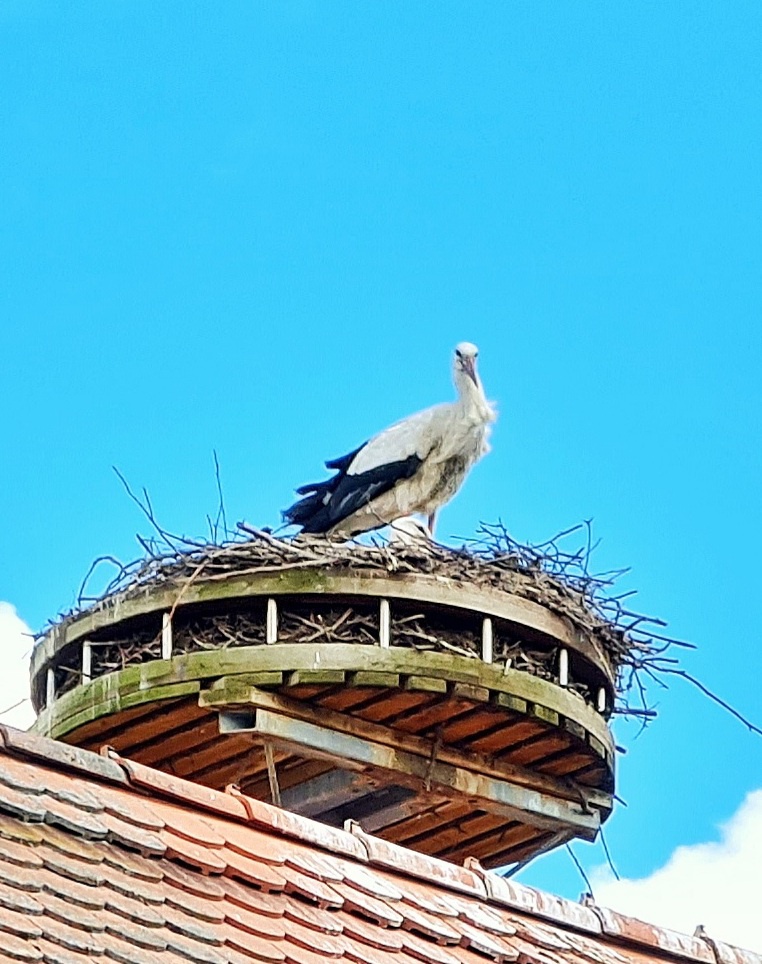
[[337, 498]]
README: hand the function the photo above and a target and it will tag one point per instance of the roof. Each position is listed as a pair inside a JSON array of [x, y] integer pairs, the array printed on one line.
[[103, 859]]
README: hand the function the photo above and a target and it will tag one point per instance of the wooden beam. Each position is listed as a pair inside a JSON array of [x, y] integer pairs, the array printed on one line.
[[497, 796], [387, 736]]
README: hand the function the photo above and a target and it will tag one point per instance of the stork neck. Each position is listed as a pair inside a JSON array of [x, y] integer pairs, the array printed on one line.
[[471, 396]]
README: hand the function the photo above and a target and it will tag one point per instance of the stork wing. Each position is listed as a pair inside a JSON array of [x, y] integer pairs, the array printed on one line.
[[363, 475], [415, 436]]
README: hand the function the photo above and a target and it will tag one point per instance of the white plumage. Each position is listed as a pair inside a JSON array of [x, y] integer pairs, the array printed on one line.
[[414, 466]]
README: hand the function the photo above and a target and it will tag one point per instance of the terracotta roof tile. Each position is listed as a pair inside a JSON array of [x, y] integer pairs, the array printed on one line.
[[180, 848], [256, 872], [260, 948], [20, 949], [205, 887], [364, 933], [373, 908], [133, 867], [273, 928]]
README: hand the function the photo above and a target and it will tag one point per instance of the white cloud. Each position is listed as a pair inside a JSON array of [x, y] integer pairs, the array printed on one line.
[[15, 647], [716, 884]]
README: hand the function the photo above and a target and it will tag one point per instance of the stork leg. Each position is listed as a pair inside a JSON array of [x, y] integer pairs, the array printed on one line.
[[430, 521]]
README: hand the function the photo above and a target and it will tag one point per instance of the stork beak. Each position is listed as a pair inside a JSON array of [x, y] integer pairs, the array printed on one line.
[[469, 367]]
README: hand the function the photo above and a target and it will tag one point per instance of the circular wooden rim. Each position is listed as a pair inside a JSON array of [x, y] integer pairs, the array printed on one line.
[[433, 591]]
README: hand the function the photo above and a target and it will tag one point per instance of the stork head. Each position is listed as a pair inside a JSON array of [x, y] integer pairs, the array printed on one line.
[[465, 364]]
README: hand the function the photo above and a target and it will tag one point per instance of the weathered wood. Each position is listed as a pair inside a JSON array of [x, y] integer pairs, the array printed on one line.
[[515, 610], [498, 796], [388, 736], [335, 658]]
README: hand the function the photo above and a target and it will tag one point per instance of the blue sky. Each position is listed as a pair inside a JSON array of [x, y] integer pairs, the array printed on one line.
[[261, 230]]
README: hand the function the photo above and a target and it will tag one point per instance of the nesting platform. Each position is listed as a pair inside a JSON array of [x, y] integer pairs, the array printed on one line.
[[456, 719]]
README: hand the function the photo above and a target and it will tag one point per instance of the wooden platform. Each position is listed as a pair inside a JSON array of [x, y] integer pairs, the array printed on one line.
[[449, 753]]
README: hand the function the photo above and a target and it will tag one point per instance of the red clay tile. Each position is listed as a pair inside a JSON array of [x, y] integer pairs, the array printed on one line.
[[273, 928], [314, 865], [207, 888], [486, 918], [147, 938], [122, 952], [253, 843], [501, 890], [428, 951], [308, 831], [69, 913], [146, 915], [361, 953], [193, 951], [90, 898], [132, 836], [72, 938], [72, 819], [57, 755], [23, 878], [127, 807], [431, 869], [54, 954], [300, 955], [374, 908], [188, 825], [373, 882], [485, 943], [310, 916], [20, 949], [18, 853], [324, 895], [260, 874], [190, 794], [364, 932], [200, 907], [269, 904], [24, 833], [207, 932], [130, 863], [70, 868], [440, 929], [327, 944], [21, 804], [67, 843], [150, 892], [20, 925], [21, 776], [648, 935], [415, 893], [260, 948], [209, 861]]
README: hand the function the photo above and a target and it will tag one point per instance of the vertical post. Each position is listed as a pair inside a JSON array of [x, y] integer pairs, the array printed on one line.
[[166, 636], [384, 624], [87, 661], [50, 686], [272, 774], [487, 645], [271, 624], [563, 667], [601, 703]]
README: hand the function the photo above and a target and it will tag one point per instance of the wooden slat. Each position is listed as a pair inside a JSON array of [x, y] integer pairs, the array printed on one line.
[[346, 698], [458, 833], [398, 702], [132, 739], [506, 840], [160, 752], [535, 749], [206, 758], [508, 736], [427, 822], [470, 725], [97, 733], [438, 712], [514, 854]]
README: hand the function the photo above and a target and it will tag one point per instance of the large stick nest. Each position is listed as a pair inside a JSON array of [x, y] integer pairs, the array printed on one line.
[[550, 574]]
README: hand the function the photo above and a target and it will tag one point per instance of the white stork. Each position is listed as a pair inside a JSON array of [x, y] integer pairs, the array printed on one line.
[[414, 466]]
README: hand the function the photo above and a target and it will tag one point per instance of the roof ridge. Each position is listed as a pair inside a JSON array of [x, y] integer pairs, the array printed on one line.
[[354, 843]]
